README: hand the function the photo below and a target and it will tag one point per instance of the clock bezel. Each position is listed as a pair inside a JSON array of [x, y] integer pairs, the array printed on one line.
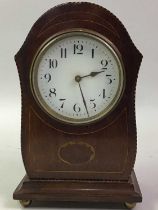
[[34, 69]]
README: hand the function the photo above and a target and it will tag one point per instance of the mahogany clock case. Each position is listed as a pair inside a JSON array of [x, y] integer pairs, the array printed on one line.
[[45, 141]]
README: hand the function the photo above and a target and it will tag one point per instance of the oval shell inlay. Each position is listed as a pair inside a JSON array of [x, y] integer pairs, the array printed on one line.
[[74, 153]]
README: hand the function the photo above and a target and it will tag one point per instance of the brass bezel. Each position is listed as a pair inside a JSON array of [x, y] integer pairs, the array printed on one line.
[[34, 69]]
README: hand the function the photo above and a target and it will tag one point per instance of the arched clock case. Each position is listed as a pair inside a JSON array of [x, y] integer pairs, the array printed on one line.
[[77, 153]]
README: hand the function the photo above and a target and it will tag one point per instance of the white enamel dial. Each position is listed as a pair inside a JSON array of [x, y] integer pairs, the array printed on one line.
[[77, 78]]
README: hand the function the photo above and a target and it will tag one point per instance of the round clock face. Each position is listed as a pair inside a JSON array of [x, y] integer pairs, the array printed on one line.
[[77, 77]]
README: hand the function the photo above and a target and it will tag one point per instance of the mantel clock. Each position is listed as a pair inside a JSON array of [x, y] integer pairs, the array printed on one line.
[[78, 69]]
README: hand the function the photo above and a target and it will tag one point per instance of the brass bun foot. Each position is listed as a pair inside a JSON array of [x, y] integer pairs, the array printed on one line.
[[130, 205], [25, 203]]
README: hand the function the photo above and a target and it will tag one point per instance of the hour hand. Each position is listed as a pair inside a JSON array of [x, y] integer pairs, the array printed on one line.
[[92, 74], [95, 73]]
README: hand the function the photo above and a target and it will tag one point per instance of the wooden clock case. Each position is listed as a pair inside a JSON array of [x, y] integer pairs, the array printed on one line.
[[92, 162]]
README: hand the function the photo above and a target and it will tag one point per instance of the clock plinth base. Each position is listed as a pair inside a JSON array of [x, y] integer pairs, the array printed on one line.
[[79, 191]]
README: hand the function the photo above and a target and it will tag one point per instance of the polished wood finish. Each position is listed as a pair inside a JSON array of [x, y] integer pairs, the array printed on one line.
[[106, 149], [79, 190]]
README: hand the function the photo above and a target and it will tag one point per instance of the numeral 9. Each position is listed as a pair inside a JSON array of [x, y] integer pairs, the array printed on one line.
[[47, 77]]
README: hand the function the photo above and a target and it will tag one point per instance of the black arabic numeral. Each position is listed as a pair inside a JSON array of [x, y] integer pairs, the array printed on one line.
[[78, 49], [94, 104], [62, 100], [52, 91], [76, 108], [47, 77], [104, 63], [63, 52], [53, 63], [92, 53], [110, 80], [103, 94]]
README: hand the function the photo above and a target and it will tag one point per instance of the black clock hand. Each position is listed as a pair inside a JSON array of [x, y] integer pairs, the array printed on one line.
[[92, 74], [83, 99]]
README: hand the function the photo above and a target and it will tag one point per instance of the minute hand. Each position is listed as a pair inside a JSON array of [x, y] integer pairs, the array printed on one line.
[[84, 102], [93, 74]]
